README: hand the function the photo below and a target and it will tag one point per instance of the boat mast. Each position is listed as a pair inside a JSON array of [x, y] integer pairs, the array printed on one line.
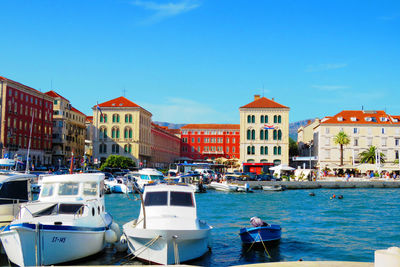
[[29, 144]]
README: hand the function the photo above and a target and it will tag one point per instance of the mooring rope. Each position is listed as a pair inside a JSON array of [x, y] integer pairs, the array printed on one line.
[[176, 251], [269, 256], [146, 246]]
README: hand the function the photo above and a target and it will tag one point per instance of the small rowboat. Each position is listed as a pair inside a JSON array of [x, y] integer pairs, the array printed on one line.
[[273, 188], [262, 234]]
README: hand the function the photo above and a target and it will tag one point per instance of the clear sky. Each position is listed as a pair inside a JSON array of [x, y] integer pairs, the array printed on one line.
[[198, 61]]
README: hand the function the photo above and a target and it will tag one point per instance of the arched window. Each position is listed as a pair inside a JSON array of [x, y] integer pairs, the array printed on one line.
[[279, 119], [115, 118], [253, 119], [275, 135], [266, 118], [130, 118], [103, 148], [279, 135], [266, 135], [262, 119], [103, 133], [253, 134], [128, 133], [261, 134], [266, 150], [248, 119], [248, 134], [103, 118], [248, 150], [275, 150], [275, 119], [253, 150], [279, 150], [113, 132], [115, 149], [262, 150], [126, 117]]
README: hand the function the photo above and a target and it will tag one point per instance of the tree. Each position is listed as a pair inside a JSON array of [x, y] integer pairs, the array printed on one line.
[[114, 161], [369, 155], [341, 139], [293, 148]]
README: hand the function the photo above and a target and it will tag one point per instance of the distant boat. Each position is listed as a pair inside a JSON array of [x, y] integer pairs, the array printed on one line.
[[273, 188], [147, 176], [224, 186], [168, 230], [265, 234], [68, 222]]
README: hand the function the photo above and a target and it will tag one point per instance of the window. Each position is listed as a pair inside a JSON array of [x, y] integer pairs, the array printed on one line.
[[275, 150], [262, 150], [275, 134], [184, 199], [248, 134], [397, 142], [275, 119], [355, 130], [384, 141], [355, 141], [253, 134], [198, 139], [115, 149], [279, 135], [383, 130], [261, 135], [192, 139], [265, 150], [279, 119], [90, 189], [262, 119], [103, 118], [68, 189], [248, 150], [227, 149], [326, 130], [227, 140], [47, 190], [253, 150], [248, 119], [115, 118], [233, 140], [233, 149], [396, 156], [156, 199], [253, 119]]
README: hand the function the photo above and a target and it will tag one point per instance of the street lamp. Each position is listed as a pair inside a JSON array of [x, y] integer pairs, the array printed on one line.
[[309, 147]]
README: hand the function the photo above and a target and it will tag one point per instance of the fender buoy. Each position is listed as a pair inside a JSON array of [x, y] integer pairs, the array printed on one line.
[[122, 245], [115, 227], [110, 236]]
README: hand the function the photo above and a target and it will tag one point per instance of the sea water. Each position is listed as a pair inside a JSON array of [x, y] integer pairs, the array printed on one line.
[[313, 227]]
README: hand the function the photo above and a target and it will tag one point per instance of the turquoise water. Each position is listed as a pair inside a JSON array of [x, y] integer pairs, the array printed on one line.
[[313, 228]]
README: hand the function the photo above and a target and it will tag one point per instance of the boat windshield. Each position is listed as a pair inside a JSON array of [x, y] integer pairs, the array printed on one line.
[[181, 199], [156, 199], [156, 177], [68, 189], [90, 189], [47, 190]]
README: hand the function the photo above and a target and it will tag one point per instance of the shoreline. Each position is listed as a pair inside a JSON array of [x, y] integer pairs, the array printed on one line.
[[326, 184]]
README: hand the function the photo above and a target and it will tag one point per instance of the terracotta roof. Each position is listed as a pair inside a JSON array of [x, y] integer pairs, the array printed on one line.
[[118, 102], [77, 111], [362, 117], [264, 102], [23, 85], [54, 94], [89, 119], [212, 126]]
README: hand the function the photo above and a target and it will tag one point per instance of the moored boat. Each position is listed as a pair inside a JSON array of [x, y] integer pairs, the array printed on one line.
[[147, 176], [67, 222], [223, 186], [265, 234], [167, 230], [273, 188]]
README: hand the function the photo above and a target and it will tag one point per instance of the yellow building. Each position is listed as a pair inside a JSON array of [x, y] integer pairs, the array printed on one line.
[[69, 131], [264, 133], [364, 129], [122, 128]]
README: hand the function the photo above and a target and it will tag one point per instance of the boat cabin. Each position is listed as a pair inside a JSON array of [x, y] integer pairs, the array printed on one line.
[[73, 187], [170, 205]]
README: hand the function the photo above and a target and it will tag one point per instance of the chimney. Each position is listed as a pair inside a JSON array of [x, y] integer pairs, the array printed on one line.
[[273, 99], [256, 97]]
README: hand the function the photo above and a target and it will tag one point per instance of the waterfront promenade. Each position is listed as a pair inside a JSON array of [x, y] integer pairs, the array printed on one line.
[[329, 184]]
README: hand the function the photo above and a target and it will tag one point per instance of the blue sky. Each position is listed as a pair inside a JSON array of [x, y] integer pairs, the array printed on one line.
[[198, 61]]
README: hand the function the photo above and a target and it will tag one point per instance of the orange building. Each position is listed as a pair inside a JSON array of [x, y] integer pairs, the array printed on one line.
[[210, 141]]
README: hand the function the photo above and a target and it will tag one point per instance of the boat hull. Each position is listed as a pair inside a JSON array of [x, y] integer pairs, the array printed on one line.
[[50, 244], [223, 187], [265, 234], [190, 244]]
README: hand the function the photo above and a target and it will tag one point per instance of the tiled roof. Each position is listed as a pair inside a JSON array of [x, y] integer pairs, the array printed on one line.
[[89, 119], [119, 102], [54, 94], [212, 126], [23, 85], [77, 111], [362, 117], [263, 102]]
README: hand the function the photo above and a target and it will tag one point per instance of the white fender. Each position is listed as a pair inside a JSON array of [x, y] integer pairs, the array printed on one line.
[[122, 245], [115, 227], [110, 236]]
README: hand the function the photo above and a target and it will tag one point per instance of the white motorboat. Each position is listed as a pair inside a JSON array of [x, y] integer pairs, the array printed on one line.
[[14, 190], [147, 176], [120, 187], [272, 188], [167, 230], [244, 188], [67, 222], [223, 186]]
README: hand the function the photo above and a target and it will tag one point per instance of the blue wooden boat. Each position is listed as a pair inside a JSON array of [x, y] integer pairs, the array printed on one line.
[[265, 234]]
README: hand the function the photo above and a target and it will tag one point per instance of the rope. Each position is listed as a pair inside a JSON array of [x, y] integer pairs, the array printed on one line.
[[146, 246], [269, 256], [176, 251]]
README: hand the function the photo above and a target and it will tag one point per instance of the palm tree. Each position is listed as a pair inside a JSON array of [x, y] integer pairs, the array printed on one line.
[[369, 155], [341, 139]]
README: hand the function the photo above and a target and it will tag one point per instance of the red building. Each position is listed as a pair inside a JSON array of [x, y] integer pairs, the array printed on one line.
[[165, 146], [21, 108], [210, 141]]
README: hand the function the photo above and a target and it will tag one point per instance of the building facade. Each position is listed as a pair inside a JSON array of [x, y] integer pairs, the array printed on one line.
[[122, 128], [264, 134], [210, 141], [69, 131], [26, 122], [364, 129], [165, 146]]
